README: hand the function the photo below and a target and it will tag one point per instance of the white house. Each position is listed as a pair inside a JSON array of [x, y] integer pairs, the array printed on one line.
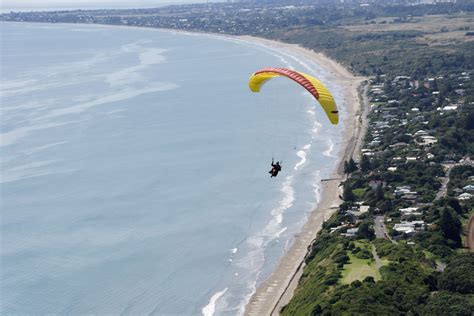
[[464, 196], [409, 227], [469, 188]]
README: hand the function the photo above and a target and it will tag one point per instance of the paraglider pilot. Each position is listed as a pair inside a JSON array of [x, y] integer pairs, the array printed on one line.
[[276, 167]]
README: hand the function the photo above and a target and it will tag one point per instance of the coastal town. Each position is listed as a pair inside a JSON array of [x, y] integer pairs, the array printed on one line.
[[401, 240], [410, 195], [230, 17]]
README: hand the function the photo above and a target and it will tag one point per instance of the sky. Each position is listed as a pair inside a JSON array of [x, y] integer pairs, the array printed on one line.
[[26, 5]]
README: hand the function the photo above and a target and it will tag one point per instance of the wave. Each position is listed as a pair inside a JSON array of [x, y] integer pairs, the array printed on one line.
[[210, 308], [317, 186], [329, 150], [302, 155], [255, 258]]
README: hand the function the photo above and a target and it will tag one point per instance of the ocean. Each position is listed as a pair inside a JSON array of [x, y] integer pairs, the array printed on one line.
[[7, 6], [134, 169]]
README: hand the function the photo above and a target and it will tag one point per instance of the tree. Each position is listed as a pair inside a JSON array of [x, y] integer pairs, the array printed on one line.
[[365, 231], [454, 204], [347, 194], [365, 163], [350, 166], [447, 303], [450, 227], [386, 206], [458, 275], [379, 193]]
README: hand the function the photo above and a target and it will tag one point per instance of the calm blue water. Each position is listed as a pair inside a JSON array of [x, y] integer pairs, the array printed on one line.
[[134, 169]]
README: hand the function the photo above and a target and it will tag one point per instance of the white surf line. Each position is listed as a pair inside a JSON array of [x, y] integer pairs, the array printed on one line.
[[302, 154], [210, 308], [328, 152]]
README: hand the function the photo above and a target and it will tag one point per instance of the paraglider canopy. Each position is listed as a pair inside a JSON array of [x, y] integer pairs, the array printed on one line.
[[311, 84]]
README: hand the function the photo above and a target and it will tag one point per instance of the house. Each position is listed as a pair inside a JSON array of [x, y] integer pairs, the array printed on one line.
[[398, 78], [358, 210], [409, 228], [420, 133], [448, 108], [403, 188], [333, 229], [351, 232], [364, 209], [469, 188], [376, 91], [464, 196], [398, 145], [404, 229], [374, 143], [408, 211], [427, 140]]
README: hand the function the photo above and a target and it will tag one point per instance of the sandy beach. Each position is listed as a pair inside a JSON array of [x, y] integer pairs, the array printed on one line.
[[276, 291]]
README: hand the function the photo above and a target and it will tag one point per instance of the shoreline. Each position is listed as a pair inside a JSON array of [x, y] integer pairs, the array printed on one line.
[[277, 290]]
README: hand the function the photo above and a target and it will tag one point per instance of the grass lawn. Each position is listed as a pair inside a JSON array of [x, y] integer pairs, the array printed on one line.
[[359, 269], [359, 193]]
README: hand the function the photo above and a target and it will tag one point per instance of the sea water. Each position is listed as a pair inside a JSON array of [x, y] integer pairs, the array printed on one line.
[[134, 169], [8, 6]]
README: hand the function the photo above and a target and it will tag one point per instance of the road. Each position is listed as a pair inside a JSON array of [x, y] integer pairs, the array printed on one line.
[[380, 229], [444, 182]]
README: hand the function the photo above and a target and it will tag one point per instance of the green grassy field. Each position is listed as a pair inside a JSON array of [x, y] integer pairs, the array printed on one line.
[[359, 269]]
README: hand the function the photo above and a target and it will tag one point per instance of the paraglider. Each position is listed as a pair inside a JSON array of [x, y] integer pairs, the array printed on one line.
[[311, 84], [276, 167]]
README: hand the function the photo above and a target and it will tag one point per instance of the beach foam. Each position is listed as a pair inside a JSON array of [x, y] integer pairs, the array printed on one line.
[[210, 308], [330, 148], [302, 155]]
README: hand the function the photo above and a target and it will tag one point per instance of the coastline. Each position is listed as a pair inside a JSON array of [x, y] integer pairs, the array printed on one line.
[[277, 290]]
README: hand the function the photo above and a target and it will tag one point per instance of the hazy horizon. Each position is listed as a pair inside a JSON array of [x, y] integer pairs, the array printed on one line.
[[30, 5]]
